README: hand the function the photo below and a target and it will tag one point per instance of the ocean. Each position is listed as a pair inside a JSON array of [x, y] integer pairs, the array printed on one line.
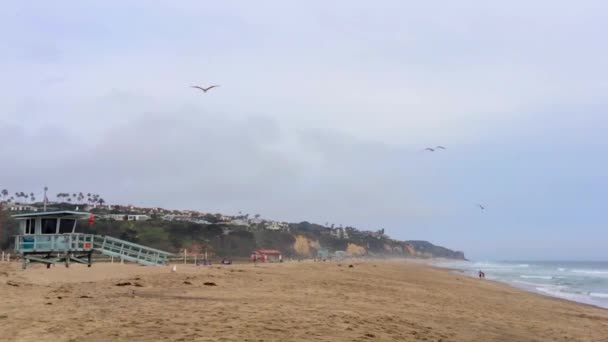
[[583, 282]]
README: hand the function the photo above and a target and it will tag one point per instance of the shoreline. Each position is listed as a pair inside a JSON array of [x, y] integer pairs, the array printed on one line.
[[520, 288], [529, 288]]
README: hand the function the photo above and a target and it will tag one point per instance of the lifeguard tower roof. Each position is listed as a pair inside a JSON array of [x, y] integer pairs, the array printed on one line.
[[54, 214]]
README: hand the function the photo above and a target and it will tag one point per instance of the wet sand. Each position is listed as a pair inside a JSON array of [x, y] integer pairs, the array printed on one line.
[[372, 301]]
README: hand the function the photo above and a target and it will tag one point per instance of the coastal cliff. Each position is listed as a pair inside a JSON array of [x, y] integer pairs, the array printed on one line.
[[240, 238]]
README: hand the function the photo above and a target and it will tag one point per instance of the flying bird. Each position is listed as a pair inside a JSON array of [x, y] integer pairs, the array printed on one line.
[[440, 147], [205, 89], [429, 149], [481, 206]]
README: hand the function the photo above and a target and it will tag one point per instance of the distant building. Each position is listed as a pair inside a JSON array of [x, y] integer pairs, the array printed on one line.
[[323, 253], [22, 207], [256, 221], [184, 218], [127, 217], [340, 255], [268, 255], [275, 226], [239, 222], [340, 233]]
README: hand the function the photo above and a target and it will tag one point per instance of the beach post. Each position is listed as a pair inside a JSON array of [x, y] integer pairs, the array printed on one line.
[[8, 257], [2, 256], [195, 259], [185, 255]]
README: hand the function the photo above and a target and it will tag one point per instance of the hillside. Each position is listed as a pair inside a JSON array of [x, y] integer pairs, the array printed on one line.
[[303, 240], [297, 240]]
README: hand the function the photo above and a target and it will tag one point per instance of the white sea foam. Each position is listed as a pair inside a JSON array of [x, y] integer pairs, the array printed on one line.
[[536, 277], [526, 284], [592, 272], [598, 295], [552, 291]]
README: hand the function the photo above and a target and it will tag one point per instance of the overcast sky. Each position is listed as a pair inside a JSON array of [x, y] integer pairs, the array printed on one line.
[[323, 113]]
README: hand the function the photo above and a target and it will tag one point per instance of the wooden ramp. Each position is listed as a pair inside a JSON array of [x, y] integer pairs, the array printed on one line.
[[129, 251]]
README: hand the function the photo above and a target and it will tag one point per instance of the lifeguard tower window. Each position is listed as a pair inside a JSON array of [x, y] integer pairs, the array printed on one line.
[[49, 226], [30, 226], [66, 226]]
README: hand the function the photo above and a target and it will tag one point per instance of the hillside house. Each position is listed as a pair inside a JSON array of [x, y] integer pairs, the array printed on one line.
[[276, 226], [127, 217], [22, 208], [340, 233], [239, 222]]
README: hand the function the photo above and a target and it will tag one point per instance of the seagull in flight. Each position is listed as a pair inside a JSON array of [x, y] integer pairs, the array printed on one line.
[[429, 149], [205, 89], [482, 207], [440, 147]]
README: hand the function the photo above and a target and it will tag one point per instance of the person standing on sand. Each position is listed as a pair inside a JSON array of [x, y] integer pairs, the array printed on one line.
[[480, 274]]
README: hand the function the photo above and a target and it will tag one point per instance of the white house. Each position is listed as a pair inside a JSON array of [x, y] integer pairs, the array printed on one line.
[[127, 217], [239, 222], [340, 233], [276, 226], [22, 207]]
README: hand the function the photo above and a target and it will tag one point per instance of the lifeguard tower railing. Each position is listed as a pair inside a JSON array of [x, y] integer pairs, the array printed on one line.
[[71, 244], [54, 243]]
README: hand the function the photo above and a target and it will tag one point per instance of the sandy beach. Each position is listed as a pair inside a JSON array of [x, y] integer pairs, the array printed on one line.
[[301, 301]]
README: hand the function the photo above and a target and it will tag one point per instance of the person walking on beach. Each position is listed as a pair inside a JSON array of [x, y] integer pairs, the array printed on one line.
[[480, 274]]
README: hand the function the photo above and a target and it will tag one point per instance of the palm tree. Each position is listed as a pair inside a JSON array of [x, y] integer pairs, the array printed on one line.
[[4, 193], [80, 197]]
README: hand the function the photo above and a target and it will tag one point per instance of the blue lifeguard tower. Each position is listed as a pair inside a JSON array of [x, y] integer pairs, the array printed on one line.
[[51, 238]]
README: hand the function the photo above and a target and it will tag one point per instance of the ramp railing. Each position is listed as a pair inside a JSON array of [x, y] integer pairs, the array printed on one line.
[[130, 251]]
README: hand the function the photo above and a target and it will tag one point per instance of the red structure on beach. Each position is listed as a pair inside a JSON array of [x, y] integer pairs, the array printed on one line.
[[268, 255]]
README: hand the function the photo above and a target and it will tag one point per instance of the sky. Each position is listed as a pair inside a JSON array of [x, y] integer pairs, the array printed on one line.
[[323, 113]]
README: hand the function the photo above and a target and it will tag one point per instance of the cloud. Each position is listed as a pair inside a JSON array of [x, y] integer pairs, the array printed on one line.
[[217, 164], [322, 113]]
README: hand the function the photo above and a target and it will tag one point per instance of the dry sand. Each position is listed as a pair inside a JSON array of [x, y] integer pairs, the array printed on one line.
[[372, 301]]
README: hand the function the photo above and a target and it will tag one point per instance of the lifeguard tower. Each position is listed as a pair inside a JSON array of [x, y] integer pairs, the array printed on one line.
[[51, 238]]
